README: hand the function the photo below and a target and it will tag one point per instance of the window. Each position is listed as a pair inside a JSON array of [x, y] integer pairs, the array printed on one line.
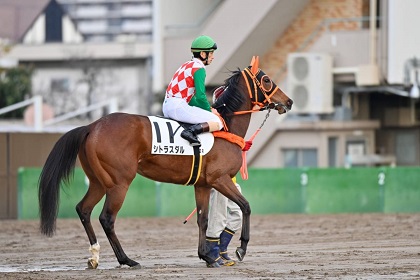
[[300, 157], [60, 85], [356, 153], [406, 147], [332, 151], [115, 23], [356, 147], [53, 23]]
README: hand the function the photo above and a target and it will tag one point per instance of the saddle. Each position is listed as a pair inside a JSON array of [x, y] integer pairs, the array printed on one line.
[[166, 140]]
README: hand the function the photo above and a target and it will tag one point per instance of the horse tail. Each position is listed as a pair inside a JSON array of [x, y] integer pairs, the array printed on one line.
[[58, 167]]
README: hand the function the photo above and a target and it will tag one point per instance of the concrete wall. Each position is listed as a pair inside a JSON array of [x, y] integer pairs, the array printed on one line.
[[241, 28], [340, 45], [304, 25], [315, 134], [4, 178], [403, 37], [17, 150]]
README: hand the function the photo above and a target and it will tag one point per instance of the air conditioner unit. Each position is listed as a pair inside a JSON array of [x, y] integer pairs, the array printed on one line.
[[309, 83]]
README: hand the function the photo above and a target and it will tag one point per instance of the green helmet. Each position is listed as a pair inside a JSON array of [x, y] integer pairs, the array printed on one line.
[[203, 43]]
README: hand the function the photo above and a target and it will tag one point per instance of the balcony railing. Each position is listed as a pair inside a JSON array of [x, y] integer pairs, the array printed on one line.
[[40, 124]]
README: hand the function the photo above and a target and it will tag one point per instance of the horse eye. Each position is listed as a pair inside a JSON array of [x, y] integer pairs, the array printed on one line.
[[267, 80]]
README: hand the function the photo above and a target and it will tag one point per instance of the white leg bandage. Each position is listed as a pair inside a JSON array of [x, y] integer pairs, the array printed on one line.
[[94, 260]]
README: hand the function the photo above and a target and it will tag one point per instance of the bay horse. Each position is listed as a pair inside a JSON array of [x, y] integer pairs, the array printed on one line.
[[114, 148]]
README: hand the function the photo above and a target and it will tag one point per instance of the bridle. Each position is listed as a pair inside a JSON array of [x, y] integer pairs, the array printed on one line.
[[259, 93]]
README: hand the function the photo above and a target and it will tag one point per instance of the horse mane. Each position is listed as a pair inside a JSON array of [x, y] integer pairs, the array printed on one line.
[[231, 99]]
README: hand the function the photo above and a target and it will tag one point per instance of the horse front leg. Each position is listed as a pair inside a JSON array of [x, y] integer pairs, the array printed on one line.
[[202, 195], [246, 214]]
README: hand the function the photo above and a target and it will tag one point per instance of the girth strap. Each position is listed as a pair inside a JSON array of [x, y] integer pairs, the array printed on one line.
[[196, 166]]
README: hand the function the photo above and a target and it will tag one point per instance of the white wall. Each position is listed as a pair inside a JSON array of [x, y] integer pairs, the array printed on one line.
[[184, 16], [36, 35], [403, 36], [340, 45], [127, 83]]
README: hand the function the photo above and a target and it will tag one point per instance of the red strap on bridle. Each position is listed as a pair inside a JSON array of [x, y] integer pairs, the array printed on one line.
[[244, 168]]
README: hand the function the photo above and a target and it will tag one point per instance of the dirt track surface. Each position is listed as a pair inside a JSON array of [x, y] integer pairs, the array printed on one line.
[[356, 246]]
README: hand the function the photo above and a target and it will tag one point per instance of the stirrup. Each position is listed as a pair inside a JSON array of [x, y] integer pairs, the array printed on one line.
[[195, 144]]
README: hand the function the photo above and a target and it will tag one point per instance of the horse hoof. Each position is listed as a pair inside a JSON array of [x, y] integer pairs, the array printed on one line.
[[137, 266], [92, 263], [240, 253], [132, 264]]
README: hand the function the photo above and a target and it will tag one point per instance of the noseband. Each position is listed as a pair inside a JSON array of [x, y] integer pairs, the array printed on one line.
[[259, 93]]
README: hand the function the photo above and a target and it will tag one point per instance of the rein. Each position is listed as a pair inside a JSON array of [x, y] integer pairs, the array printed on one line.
[[244, 168]]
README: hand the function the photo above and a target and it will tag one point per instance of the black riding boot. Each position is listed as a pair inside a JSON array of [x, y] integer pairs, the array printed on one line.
[[190, 134], [212, 246], [225, 238]]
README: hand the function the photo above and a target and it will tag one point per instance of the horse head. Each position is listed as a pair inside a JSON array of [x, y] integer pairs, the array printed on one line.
[[249, 91], [263, 92]]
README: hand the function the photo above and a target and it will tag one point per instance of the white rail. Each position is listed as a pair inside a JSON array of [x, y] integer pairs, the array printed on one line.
[[39, 124], [112, 105], [37, 101]]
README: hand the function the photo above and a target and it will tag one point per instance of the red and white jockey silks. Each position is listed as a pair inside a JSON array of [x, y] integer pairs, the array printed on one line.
[[182, 83]]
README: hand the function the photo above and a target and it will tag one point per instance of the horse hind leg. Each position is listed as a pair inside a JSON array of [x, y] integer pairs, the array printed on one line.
[[84, 210], [113, 202], [202, 195]]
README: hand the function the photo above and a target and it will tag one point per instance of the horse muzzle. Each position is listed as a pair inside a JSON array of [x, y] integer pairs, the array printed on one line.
[[283, 108]]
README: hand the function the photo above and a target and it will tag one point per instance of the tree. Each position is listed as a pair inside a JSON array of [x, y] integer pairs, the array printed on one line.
[[15, 86]]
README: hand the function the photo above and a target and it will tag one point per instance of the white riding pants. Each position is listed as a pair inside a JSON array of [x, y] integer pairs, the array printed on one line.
[[223, 213], [178, 109]]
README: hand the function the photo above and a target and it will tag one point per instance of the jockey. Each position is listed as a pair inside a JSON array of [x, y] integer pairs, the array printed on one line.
[[185, 98]]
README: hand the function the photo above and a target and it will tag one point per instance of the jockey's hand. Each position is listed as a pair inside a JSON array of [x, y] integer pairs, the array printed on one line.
[[214, 111], [247, 146]]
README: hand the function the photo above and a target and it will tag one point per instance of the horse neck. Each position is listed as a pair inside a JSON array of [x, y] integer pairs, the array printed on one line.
[[239, 124]]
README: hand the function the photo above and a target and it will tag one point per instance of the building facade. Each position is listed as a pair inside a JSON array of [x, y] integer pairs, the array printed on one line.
[[344, 64]]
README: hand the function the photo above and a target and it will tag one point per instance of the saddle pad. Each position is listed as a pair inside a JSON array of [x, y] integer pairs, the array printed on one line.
[[167, 140]]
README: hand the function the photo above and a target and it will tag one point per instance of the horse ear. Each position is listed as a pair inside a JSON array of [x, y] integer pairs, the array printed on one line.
[[252, 61], [254, 64]]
